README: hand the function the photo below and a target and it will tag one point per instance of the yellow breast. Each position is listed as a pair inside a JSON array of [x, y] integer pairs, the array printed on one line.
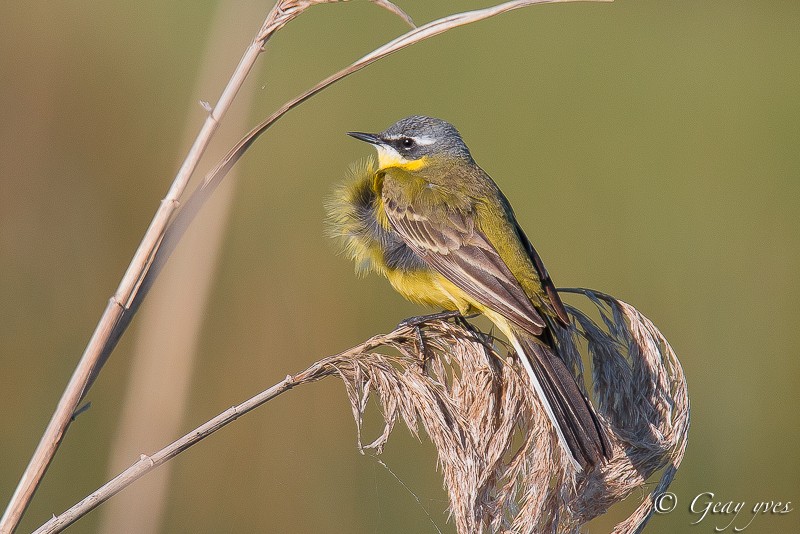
[[429, 288]]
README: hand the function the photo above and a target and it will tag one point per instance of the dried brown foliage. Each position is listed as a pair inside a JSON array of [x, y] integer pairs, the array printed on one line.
[[502, 465], [498, 454]]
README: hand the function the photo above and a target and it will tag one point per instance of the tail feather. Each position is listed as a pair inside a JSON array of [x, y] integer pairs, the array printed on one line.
[[579, 430]]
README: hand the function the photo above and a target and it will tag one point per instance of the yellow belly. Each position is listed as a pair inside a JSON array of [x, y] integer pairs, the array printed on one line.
[[429, 288]]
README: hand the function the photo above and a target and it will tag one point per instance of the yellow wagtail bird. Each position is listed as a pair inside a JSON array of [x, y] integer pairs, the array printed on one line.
[[438, 227]]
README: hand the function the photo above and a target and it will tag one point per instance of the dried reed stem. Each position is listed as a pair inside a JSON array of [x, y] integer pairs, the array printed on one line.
[[501, 462], [147, 463]]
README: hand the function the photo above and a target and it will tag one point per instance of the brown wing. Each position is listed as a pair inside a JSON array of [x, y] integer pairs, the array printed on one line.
[[449, 242]]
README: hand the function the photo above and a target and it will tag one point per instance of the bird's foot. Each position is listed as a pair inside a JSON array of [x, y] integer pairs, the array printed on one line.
[[418, 320]]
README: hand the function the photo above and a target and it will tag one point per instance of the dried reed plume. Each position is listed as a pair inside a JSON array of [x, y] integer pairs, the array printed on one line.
[[498, 453]]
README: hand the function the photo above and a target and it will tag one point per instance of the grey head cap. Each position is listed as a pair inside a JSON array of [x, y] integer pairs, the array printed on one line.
[[417, 136]]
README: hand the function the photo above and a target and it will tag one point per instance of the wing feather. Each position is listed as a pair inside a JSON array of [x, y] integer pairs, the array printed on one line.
[[544, 276], [463, 255]]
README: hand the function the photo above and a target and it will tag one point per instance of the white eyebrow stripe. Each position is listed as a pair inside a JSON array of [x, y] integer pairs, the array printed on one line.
[[423, 140]]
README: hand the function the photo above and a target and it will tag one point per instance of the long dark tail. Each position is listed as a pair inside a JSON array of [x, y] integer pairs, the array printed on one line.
[[579, 430]]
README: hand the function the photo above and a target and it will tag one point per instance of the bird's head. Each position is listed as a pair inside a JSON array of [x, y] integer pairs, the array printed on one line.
[[415, 142]]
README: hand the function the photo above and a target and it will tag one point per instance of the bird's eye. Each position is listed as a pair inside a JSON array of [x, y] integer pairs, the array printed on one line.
[[407, 142]]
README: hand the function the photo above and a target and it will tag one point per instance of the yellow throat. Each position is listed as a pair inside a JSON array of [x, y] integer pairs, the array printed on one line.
[[389, 157]]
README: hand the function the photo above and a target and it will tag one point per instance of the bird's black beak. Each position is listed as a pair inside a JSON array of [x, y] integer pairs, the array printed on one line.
[[368, 137]]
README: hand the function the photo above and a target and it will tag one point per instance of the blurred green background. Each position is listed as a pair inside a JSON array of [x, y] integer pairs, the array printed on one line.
[[651, 150]]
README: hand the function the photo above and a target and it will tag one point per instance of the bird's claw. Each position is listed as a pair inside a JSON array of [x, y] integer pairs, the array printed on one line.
[[419, 320]]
